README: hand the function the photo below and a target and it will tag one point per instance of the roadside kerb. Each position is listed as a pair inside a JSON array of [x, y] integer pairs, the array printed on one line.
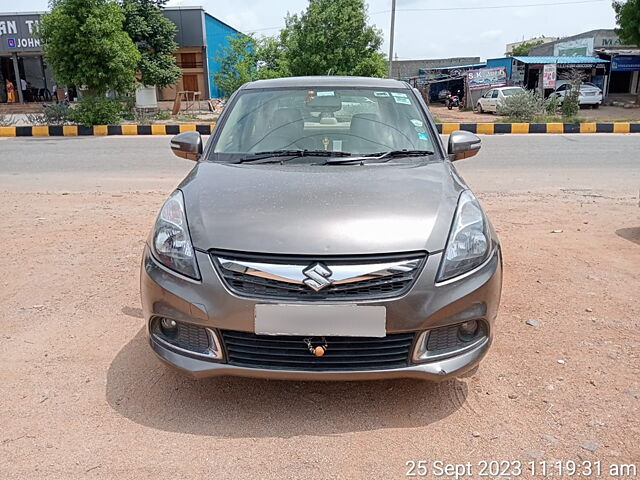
[[206, 129]]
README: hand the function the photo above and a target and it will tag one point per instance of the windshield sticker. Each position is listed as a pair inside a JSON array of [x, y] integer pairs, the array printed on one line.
[[404, 100], [398, 94], [380, 94], [422, 136], [325, 94], [416, 122]]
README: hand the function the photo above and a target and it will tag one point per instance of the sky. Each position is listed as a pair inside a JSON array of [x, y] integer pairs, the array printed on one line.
[[424, 28]]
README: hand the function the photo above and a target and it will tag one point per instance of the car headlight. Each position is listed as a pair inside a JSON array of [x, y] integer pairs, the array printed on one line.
[[171, 241], [469, 243]]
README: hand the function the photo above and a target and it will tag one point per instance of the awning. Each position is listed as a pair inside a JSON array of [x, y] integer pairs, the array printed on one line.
[[578, 61]]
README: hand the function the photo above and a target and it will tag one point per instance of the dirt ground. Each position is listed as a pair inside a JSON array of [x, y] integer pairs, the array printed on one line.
[[82, 395], [603, 114]]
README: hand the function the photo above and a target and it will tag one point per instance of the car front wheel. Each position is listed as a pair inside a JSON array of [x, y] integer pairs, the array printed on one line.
[[480, 108]]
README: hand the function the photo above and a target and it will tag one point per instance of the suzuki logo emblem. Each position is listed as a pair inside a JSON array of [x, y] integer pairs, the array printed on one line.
[[317, 276]]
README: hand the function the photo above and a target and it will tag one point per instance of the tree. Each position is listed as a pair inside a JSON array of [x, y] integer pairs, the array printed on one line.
[[85, 45], [332, 37], [238, 63], [246, 59], [523, 48], [153, 35], [628, 20]]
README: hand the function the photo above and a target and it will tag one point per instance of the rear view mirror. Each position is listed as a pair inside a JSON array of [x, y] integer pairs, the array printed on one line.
[[462, 145], [187, 145]]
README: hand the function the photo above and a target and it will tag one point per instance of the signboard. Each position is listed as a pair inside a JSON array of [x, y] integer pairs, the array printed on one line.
[[17, 33], [549, 73], [487, 78], [625, 63], [580, 46]]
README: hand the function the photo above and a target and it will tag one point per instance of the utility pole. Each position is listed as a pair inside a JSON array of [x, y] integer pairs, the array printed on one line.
[[393, 24]]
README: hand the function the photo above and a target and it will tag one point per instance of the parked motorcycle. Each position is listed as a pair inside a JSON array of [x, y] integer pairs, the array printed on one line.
[[454, 101]]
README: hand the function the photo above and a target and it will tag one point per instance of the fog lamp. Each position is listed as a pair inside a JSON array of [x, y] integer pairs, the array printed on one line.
[[168, 327], [467, 330]]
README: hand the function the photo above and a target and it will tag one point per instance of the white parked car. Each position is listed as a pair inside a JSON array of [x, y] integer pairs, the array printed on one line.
[[489, 101], [589, 93]]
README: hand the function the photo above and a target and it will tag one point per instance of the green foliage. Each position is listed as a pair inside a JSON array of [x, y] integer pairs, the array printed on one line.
[[332, 37], [97, 111], [522, 107], [628, 20], [571, 102], [85, 45], [238, 63], [57, 114], [523, 48], [153, 35], [552, 105]]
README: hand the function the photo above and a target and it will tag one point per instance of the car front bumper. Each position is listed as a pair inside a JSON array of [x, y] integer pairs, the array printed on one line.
[[208, 303]]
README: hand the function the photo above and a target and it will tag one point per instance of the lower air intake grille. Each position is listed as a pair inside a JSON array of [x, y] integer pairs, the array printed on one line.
[[291, 352]]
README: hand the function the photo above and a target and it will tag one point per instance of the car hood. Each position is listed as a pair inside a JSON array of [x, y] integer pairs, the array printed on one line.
[[321, 210]]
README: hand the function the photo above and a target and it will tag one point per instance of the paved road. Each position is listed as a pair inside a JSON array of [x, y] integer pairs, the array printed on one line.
[[512, 162]]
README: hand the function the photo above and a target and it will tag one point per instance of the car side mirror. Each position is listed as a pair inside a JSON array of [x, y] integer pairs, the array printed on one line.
[[462, 145], [187, 145]]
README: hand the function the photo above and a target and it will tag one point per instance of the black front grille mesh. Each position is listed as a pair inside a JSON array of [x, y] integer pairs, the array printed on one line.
[[291, 352], [188, 337]]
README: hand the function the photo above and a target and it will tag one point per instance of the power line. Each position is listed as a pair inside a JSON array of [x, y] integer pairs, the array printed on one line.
[[490, 7]]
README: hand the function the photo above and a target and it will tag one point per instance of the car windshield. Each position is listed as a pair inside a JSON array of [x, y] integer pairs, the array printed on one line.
[[511, 91], [354, 120]]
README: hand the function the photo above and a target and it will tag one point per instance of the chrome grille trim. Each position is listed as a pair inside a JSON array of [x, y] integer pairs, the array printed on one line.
[[288, 277]]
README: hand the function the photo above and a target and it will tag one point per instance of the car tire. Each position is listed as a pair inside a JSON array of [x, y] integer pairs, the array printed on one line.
[[480, 108], [596, 105]]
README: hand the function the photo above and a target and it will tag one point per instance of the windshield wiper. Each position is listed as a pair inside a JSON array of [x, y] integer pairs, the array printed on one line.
[[275, 155], [379, 157]]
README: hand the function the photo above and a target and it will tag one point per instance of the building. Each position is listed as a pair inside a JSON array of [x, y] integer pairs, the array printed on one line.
[[526, 71], [543, 39], [200, 38], [406, 69], [604, 44], [21, 58]]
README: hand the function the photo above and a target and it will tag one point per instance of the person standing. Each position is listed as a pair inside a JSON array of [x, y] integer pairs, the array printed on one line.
[[24, 86], [11, 91]]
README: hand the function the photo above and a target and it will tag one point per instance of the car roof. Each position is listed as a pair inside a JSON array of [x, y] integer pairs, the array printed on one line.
[[326, 81]]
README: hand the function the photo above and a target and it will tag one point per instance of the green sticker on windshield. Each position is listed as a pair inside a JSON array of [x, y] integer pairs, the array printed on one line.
[[404, 100], [380, 94]]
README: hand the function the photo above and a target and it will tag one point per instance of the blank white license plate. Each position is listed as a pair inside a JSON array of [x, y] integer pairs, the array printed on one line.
[[321, 320]]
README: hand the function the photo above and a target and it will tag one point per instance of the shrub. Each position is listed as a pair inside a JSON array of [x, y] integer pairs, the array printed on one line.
[[6, 120], [522, 107], [57, 114], [571, 102], [97, 111]]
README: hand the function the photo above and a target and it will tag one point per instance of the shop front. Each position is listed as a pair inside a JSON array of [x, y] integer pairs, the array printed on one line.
[[24, 76]]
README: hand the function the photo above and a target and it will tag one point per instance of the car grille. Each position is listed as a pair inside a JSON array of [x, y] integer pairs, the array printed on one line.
[[243, 276], [291, 352]]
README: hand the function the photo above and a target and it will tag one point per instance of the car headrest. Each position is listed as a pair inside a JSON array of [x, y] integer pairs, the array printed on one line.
[[365, 125], [287, 121]]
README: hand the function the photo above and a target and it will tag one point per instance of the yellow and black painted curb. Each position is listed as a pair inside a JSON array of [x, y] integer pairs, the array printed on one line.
[[206, 129], [103, 130], [497, 128]]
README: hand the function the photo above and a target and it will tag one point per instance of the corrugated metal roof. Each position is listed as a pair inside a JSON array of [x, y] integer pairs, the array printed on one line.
[[576, 59], [453, 67]]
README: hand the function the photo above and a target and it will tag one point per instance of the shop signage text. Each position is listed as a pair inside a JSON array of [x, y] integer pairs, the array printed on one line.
[[17, 33], [487, 78]]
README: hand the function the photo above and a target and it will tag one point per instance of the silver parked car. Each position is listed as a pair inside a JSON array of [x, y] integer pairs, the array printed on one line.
[[310, 245]]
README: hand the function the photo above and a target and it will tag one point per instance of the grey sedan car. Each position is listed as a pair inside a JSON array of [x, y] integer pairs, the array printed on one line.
[[323, 234]]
